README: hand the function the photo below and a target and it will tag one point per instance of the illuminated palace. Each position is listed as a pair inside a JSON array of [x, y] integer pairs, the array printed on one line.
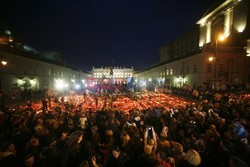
[[112, 72], [24, 67], [213, 55]]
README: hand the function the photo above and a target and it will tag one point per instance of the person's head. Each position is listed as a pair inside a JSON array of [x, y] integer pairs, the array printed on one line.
[[94, 129], [116, 152], [125, 139], [34, 141], [161, 156], [177, 148], [40, 121], [109, 133], [64, 135], [29, 160], [56, 125], [193, 157], [237, 162], [84, 163], [164, 132], [171, 161], [212, 127], [8, 147]]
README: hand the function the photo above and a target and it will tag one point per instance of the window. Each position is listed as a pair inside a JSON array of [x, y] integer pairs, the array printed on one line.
[[181, 50], [171, 71], [195, 68], [167, 72], [176, 71], [221, 67], [49, 72], [209, 67], [187, 69], [61, 74]]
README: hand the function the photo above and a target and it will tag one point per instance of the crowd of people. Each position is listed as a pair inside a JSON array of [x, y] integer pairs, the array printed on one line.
[[130, 129]]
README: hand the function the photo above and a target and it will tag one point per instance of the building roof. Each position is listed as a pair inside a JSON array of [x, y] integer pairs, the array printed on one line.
[[215, 8], [169, 61], [214, 5], [31, 55]]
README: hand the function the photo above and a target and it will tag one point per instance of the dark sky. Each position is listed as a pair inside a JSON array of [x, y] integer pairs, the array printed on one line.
[[93, 32]]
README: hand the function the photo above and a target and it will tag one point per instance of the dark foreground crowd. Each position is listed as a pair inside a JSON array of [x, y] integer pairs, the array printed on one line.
[[213, 132]]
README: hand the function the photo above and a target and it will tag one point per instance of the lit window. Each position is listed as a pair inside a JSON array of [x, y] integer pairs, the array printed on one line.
[[171, 71]]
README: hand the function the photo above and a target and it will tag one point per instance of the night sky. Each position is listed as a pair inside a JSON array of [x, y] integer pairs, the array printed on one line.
[[91, 33]]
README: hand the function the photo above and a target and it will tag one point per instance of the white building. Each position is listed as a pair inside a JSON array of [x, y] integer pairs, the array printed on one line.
[[223, 54], [112, 72]]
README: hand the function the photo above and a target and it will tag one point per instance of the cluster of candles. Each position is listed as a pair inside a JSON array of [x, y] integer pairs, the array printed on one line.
[[247, 96], [123, 103]]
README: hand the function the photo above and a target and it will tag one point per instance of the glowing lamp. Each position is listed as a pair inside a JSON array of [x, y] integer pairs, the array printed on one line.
[[32, 82], [4, 63], [177, 79], [66, 85], [221, 37], [241, 28], [77, 86], [211, 58]]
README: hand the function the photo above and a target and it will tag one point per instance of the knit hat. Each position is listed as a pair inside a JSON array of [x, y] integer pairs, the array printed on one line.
[[193, 157]]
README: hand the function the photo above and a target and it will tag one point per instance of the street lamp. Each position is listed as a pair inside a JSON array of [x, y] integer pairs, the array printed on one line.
[[4, 62], [219, 38], [211, 59]]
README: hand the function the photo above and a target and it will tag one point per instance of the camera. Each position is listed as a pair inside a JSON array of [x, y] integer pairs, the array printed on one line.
[[150, 132]]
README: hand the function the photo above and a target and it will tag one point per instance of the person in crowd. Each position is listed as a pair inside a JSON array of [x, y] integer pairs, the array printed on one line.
[[8, 154], [191, 159], [29, 160], [118, 158], [162, 160], [45, 104], [213, 131]]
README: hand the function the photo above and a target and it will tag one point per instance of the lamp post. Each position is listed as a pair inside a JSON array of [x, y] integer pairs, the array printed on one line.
[[219, 38], [3, 63]]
